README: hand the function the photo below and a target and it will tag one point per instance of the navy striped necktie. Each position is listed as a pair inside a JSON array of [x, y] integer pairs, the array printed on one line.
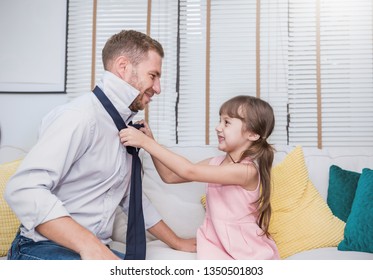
[[135, 240]]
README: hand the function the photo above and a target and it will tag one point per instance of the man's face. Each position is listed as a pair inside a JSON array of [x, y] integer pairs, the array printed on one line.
[[145, 77]]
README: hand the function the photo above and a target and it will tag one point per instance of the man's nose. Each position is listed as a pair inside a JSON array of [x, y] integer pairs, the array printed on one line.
[[157, 86]]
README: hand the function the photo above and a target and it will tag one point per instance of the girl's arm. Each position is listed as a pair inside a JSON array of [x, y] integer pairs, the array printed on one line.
[[167, 175], [230, 174]]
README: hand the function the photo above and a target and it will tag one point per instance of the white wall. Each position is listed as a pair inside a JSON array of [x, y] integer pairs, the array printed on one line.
[[20, 116], [33, 45]]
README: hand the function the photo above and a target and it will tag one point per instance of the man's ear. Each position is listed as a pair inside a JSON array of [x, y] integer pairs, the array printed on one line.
[[121, 66]]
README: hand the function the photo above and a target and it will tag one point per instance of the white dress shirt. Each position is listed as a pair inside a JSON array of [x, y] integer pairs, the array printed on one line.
[[78, 166]]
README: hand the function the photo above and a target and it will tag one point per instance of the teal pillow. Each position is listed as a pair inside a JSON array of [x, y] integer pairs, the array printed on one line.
[[341, 191], [358, 233]]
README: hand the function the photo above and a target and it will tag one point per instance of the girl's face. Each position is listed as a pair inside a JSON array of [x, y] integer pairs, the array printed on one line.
[[230, 134]]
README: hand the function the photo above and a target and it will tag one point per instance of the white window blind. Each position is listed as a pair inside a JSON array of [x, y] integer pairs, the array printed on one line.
[[79, 48], [345, 67], [346, 72], [178, 114], [232, 69], [233, 54], [191, 105], [302, 72], [308, 51], [162, 110], [274, 63]]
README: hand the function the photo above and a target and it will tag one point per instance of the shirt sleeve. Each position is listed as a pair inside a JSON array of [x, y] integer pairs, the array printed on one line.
[[64, 137]]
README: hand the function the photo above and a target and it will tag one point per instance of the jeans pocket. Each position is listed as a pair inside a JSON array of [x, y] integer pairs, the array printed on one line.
[[19, 248]]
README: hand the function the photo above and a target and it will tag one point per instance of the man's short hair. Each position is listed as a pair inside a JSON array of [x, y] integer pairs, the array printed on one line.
[[132, 44]]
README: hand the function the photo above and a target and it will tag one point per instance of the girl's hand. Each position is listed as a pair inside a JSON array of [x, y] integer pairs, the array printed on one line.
[[130, 136], [146, 129]]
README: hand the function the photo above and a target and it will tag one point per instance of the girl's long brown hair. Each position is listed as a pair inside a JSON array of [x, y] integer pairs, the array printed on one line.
[[258, 117]]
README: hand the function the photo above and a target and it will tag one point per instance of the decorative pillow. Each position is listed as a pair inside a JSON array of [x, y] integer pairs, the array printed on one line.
[[341, 191], [9, 221], [203, 201], [301, 219], [358, 234]]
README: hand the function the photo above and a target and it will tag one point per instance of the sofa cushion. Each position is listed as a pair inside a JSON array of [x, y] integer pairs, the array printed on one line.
[[341, 191], [318, 162], [9, 221], [358, 234], [330, 253], [203, 201], [301, 219]]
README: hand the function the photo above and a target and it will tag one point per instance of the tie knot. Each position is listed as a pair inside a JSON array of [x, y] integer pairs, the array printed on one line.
[[136, 125], [132, 150]]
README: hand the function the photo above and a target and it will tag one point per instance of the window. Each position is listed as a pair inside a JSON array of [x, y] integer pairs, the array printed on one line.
[[330, 73], [310, 59]]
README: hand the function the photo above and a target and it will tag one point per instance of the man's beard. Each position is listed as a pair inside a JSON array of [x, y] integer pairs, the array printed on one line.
[[136, 105]]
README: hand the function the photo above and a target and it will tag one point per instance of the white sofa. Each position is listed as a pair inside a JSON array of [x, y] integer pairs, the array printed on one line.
[[181, 208]]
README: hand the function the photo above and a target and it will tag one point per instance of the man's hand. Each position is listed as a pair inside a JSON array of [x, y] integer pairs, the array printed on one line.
[[68, 233], [164, 233], [97, 252], [187, 245]]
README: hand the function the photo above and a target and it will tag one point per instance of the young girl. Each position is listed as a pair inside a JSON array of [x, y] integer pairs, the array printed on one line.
[[238, 210]]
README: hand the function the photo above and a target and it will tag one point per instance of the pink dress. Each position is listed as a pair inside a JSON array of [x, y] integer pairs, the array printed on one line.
[[229, 230]]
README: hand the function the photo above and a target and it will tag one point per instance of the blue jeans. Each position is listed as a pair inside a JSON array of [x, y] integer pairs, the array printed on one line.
[[24, 248]]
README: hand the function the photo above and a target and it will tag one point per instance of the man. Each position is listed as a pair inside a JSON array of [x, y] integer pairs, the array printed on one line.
[[68, 187]]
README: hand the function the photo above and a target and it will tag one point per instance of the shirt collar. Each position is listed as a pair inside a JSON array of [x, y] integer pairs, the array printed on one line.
[[120, 93]]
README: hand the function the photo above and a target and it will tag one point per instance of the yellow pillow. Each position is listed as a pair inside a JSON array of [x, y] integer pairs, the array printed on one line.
[[9, 221], [203, 201], [301, 219]]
